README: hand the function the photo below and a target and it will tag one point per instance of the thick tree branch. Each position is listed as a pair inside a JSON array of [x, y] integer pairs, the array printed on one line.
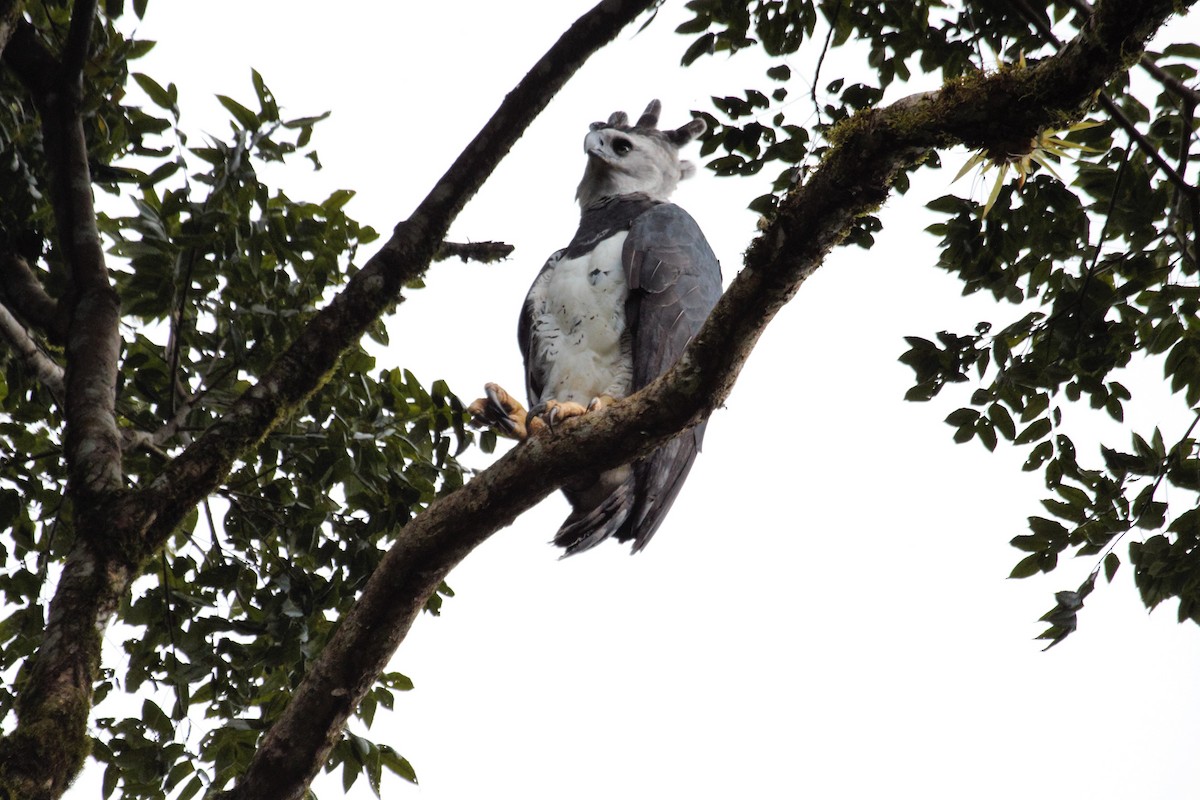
[[869, 152], [300, 370], [24, 293], [49, 744], [115, 539], [1106, 101], [40, 365], [1169, 81], [140, 522], [93, 342], [291, 754], [10, 14], [79, 36], [855, 177]]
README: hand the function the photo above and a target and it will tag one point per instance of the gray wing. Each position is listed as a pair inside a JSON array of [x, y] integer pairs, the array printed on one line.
[[674, 281]]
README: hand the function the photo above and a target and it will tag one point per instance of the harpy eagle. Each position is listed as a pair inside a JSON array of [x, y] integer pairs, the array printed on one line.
[[611, 312]]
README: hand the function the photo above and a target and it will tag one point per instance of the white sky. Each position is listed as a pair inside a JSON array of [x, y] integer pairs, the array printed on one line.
[[825, 612]]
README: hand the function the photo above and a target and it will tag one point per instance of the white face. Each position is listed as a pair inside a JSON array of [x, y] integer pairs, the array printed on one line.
[[623, 162]]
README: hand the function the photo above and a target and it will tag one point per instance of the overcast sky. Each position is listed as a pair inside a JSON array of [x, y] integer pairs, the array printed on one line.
[[825, 613]]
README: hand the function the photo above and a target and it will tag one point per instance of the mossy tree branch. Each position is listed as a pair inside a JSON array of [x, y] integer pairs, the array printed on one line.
[[854, 179], [49, 745], [117, 530], [870, 151]]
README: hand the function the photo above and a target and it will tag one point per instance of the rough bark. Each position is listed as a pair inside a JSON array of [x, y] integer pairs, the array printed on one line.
[[22, 292], [122, 528], [10, 12], [117, 530], [854, 179], [39, 365], [49, 745], [407, 254]]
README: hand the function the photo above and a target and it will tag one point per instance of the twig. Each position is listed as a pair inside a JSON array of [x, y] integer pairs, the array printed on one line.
[[483, 252], [1178, 227], [821, 59], [1147, 147]]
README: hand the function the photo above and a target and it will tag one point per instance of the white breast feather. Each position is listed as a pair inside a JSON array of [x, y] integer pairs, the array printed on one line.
[[578, 326]]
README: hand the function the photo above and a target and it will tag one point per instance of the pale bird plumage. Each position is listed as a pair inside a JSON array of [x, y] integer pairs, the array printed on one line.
[[611, 312]]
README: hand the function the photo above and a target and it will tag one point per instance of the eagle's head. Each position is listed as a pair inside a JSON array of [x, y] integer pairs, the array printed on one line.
[[624, 159]]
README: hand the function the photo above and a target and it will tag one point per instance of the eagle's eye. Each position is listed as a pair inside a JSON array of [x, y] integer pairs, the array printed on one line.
[[621, 146]]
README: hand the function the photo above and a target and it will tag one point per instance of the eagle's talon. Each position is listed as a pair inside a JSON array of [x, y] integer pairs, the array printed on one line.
[[500, 412], [551, 412], [534, 414]]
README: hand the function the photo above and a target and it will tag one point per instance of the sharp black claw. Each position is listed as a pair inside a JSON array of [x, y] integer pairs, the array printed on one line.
[[493, 397], [534, 412]]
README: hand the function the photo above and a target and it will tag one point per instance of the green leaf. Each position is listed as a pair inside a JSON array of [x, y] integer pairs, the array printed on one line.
[[704, 45], [397, 681], [336, 200], [266, 100], [1039, 429], [961, 417], [1003, 421], [697, 24], [160, 173], [1030, 565], [987, 433], [1183, 50], [244, 116], [1111, 562], [397, 764], [163, 98], [1048, 529]]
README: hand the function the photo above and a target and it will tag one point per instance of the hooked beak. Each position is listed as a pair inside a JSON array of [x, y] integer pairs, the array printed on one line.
[[593, 145]]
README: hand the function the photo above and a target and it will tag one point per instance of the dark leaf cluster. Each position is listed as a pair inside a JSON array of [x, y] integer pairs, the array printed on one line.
[[1102, 272], [217, 272], [1099, 265], [769, 124]]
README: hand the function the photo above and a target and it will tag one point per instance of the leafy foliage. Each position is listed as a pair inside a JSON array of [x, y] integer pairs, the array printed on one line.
[[1101, 269], [216, 273]]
